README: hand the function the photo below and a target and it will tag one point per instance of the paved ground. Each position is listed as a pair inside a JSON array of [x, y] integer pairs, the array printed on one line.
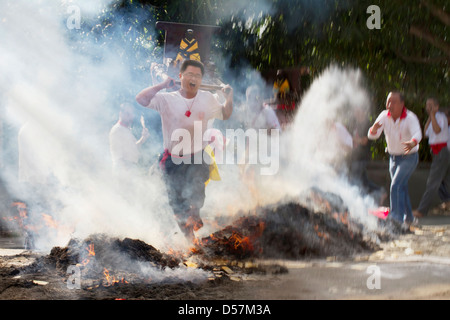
[[414, 278], [414, 266]]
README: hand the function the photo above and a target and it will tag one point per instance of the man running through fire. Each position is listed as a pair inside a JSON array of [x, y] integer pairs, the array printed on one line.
[[181, 111]]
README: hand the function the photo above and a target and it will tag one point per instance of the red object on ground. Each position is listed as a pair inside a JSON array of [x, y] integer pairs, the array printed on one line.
[[381, 212]]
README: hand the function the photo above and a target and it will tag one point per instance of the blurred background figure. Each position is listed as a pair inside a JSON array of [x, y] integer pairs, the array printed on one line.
[[436, 129], [361, 156], [124, 146]]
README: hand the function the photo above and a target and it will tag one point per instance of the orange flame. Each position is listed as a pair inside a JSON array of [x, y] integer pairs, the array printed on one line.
[[46, 220], [111, 280], [49, 221], [341, 217], [198, 243], [22, 207], [237, 241], [15, 218], [91, 253], [91, 250], [23, 213], [320, 234], [194, 222]]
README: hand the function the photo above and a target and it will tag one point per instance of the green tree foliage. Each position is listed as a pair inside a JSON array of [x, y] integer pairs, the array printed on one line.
[[410, 52]]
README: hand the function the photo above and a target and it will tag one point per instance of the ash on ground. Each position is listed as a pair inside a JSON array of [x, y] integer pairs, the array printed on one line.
[[132, 269]]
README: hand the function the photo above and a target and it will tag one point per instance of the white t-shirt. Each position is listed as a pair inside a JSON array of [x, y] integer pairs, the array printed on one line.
[[442, 136], [404, 129], [344, 137], [172, 107], [265, 119], [123, 147]]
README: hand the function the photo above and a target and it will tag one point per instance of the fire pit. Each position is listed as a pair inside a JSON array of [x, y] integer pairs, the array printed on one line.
[[289, 231], [103, 267]]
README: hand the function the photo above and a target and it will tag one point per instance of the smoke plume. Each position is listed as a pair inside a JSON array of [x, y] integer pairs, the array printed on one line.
[[60, 101], [317, 148], [59, 105]]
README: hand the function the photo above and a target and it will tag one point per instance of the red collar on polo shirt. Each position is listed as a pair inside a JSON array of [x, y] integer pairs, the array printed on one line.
[[402, 116], [123, 125]]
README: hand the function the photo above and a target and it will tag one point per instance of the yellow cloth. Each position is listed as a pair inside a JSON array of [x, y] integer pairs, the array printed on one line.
[[188, 50], [213, 169], [282, 87]]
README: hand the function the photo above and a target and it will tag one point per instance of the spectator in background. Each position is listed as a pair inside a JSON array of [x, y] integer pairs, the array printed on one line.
[[284, 97], [256, 114], [360, 156], [443, 188], [281, 85], [447, 114], [340, 137], [436, 129], [124, 146]]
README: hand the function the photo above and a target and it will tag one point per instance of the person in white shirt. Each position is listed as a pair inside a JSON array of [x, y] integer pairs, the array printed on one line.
[[361, 155], [256, 114], [436, 129], [183, 113], [403, 134], [447, 114], [338, 147], [123, 145]]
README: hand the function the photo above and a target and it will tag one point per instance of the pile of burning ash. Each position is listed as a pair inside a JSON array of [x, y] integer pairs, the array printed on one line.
[[287, 230], [103, 251], [104, 260], [290, 231]]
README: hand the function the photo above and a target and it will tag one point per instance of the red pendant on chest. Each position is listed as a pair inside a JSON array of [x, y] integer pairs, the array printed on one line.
[[188, 113]]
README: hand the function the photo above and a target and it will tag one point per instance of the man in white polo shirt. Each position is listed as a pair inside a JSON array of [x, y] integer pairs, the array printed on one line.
[[436, 129], [403, 134], [184, 111]]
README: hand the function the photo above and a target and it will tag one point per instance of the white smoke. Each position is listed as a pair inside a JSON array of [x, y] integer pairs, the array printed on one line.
[[314, 149], [65, 99], [314, 152], [68, 97]]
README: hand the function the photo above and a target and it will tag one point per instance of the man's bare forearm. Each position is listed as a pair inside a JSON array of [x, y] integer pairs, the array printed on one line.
[[145, 96], [427, 125], [436, 128], [228, 107]]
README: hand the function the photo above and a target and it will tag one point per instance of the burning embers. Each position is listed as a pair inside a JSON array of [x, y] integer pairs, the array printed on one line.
[[33, 224], [91, 253], [239, 240], [280, 231], [109, 279], [289, 231], [103, 261]]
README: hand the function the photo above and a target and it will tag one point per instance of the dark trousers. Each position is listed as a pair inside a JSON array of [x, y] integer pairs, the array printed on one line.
[[185, 184], [438, 180]]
